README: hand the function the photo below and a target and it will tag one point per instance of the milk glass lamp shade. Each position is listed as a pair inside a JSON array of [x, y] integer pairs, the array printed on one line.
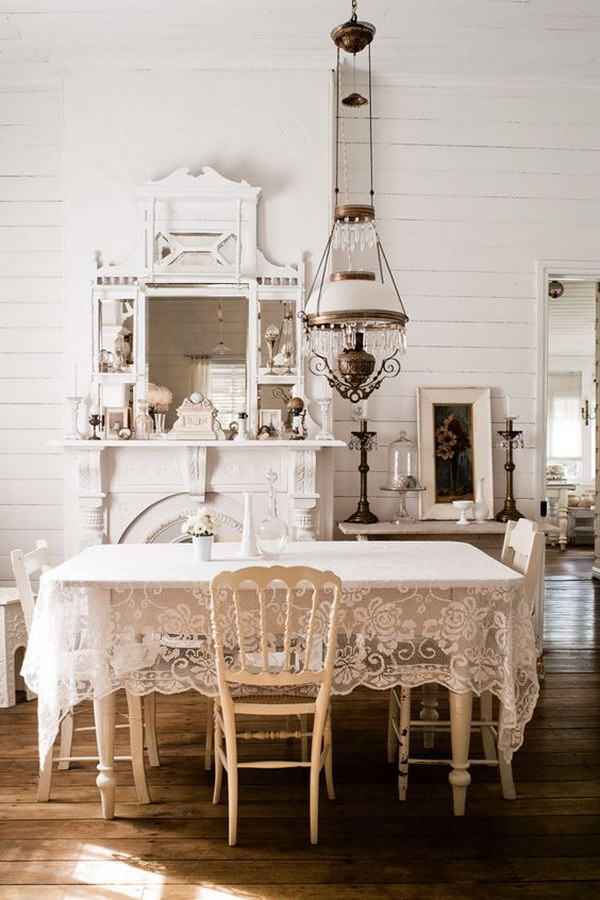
[[356, 332], [355, 297], [403, 471]]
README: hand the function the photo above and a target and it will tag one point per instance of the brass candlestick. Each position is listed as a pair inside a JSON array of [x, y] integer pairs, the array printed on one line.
[[364, 441], [508, 440], [95, 421]]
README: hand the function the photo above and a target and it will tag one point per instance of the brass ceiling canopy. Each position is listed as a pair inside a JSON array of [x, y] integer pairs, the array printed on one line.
[[353, 36], [355, 321]]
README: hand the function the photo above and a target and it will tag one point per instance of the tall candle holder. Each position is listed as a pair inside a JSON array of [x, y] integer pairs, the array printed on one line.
[[73, 433], [509, 440], [325, 432], [365, 441], [95, 421]]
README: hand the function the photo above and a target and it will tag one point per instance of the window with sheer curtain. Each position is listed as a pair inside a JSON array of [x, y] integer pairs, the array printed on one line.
[[564, 415], [228, 388], [223, 381]]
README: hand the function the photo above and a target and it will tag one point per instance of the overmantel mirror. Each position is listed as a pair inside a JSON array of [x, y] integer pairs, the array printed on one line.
[[199, 310]]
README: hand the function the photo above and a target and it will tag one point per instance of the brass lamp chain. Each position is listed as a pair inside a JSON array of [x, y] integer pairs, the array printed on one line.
[[371, 191], [337, 126]]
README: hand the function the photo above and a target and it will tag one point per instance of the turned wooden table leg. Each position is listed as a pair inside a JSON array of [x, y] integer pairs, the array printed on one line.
[[104, 715], [461, 706]]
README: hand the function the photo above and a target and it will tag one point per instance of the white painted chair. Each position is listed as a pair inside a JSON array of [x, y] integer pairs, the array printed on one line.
[[274, 635], [523, 551], [141, 711]]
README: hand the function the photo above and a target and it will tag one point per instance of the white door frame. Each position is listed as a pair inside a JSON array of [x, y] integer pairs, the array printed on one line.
[[584, 270]]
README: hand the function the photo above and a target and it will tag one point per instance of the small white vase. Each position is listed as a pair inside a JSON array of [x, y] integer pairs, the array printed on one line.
[[248, 546], [203, 547], [480, 508]]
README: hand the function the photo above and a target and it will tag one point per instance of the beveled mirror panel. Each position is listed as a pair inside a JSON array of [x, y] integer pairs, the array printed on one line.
[[199, 344], [115, 350]]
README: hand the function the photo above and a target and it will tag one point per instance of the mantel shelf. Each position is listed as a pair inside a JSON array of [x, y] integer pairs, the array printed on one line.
[[217, 445]]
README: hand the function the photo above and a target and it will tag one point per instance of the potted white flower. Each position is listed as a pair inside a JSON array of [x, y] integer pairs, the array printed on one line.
[[202, 528]]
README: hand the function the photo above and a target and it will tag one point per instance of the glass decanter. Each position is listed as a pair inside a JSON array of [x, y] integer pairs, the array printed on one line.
[[144, 426], [272, 532]]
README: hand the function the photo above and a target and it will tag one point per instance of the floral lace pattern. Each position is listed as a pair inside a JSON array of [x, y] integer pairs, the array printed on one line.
[[152, 638]]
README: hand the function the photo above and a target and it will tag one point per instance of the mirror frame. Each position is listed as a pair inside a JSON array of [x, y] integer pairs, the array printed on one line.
[[205, 204]]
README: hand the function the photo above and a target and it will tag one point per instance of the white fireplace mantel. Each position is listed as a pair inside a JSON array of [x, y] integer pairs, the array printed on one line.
[[140, 491]]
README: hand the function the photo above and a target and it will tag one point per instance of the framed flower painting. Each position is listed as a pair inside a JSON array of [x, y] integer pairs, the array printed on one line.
[[455, 448]]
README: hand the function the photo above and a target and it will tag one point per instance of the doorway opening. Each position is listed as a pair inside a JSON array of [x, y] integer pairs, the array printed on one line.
[[569, 300]]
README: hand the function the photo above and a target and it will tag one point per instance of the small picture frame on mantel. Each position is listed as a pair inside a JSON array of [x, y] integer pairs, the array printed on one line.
[[273, 419], [115, 419], [455, 448]]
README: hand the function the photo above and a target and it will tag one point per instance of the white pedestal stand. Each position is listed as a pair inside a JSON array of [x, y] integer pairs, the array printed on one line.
[[403, 516]]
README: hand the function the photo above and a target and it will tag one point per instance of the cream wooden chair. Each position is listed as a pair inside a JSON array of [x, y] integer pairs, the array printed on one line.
[[141, 711], [523, 551], [274, 635]]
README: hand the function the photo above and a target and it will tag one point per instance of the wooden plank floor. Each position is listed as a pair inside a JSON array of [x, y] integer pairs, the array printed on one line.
[[544, 844]]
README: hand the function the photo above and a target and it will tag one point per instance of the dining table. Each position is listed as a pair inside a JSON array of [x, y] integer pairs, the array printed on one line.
[[137, 616]]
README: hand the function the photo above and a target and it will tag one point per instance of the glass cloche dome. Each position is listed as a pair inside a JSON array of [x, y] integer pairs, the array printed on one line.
[[403, 466], [403, 474]]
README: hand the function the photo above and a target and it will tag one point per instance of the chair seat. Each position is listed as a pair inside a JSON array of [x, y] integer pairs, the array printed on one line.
[[274, 699]]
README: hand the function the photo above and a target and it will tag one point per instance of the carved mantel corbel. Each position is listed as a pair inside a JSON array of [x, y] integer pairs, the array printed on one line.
[[194, 472], [91, 497], [304, 495]]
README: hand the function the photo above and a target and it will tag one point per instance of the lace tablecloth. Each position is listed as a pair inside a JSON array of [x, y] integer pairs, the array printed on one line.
[[137, 616]]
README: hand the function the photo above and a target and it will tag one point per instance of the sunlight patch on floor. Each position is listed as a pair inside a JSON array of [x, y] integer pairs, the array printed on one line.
[[199, 892], [103, 866], [113, 875]]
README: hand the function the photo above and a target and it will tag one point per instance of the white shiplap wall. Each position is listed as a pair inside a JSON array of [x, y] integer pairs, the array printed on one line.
[[474, 185], [31, 318]]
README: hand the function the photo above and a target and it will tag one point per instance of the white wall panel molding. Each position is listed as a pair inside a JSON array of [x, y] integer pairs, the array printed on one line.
[[31, 316]]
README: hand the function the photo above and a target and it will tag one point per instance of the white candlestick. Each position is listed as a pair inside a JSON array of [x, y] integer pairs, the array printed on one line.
[[73, 433], [74, 383], [507, 410]]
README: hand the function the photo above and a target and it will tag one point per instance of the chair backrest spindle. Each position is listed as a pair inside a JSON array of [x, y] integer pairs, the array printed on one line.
[[287, 635], [289, 621], [24, 565]]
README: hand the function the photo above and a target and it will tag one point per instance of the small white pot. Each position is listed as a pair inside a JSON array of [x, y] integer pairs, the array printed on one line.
[[203, 547]]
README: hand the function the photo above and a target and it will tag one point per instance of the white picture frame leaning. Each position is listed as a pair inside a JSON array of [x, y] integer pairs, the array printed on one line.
[[446, 474], [115, 418]]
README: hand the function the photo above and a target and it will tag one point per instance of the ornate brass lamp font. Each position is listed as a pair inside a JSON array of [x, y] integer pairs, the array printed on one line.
[[355, 322]]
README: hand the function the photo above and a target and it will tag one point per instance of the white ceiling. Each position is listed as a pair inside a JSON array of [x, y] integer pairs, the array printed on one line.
[[490, 40]]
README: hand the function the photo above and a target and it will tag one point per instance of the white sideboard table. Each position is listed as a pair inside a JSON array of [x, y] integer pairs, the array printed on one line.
[[488, 536]]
